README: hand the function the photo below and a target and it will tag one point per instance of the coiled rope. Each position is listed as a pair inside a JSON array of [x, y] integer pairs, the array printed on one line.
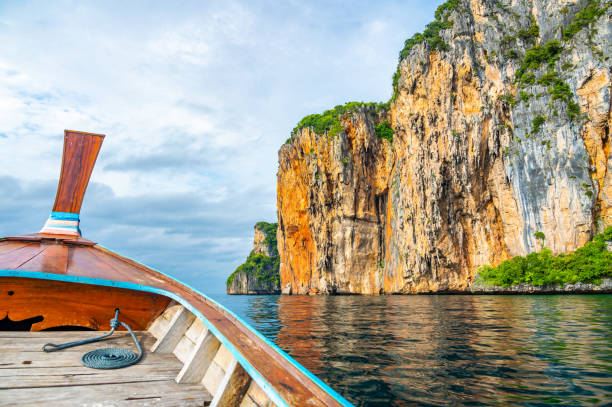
[[107, 358]]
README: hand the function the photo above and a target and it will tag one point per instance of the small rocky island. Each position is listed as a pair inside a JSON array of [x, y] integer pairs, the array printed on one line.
[[259, 273]]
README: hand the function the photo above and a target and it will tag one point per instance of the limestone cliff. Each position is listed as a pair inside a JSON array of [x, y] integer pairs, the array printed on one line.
[[259, 273], [501, 121]]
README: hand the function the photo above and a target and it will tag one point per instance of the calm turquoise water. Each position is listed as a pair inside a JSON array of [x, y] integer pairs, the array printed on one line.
[[446, 350]]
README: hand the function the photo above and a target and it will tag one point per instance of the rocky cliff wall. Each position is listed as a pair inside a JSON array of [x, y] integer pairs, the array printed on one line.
[[501, 116], [259, 273], [332, 204], [264, 241], [245, 283]]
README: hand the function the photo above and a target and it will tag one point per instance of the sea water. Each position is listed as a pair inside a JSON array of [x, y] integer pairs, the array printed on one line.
[[445, 349]]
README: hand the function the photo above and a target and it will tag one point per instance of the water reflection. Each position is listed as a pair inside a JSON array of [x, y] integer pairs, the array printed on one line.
[[446, 350]]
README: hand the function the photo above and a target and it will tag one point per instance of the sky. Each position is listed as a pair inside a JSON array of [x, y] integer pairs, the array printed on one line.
[[194, 97]]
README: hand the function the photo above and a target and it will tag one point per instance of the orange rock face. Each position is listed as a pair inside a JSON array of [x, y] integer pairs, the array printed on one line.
[[332, 205], [470, 175], [594, 96]]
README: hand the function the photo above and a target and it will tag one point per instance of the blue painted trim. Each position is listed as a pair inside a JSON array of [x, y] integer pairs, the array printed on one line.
[[269, 390], [294, 362], [64, 216]]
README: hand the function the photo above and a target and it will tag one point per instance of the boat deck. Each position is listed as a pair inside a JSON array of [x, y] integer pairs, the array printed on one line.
[[29, 376]]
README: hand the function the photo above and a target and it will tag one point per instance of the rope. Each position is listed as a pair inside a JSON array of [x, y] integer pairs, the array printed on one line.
[[107, 358]]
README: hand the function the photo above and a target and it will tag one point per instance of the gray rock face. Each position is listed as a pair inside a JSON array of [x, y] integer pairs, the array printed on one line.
[[261, 246], [244, 283], [499, 133]]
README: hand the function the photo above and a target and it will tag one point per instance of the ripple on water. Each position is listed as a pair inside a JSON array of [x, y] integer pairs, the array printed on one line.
[[446, 350]]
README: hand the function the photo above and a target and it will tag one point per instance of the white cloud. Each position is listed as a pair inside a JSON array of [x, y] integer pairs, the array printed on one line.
[[195, 99], [186, 47]]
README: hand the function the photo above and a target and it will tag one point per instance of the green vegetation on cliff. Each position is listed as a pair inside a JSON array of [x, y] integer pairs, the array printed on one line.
[[536, 56], [384, 130], [260, 266], [328, 122], [584, 18], [263, 268], [549, 54], [431, 35], [588, 264]]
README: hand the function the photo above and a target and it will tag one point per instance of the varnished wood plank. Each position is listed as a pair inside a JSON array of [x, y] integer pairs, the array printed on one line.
[[233, 387], [200, 358], [9, 246], [168, 340], [72, 304], [12, 259], [159, 393], [80, 154], [53, 259], [51, 238], [85, 262], [136, 269]]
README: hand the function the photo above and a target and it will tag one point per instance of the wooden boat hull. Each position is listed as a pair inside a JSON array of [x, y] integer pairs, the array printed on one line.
[[233, 364], [57, 280], [63, 304]]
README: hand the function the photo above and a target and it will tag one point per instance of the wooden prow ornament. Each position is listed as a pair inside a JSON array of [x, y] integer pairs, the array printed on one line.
[[78, 159]]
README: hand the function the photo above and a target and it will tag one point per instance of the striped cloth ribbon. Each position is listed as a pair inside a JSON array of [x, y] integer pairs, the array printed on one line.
[[62, 223]]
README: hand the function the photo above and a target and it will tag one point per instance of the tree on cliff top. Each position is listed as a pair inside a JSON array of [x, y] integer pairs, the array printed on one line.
[[328, 122]]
